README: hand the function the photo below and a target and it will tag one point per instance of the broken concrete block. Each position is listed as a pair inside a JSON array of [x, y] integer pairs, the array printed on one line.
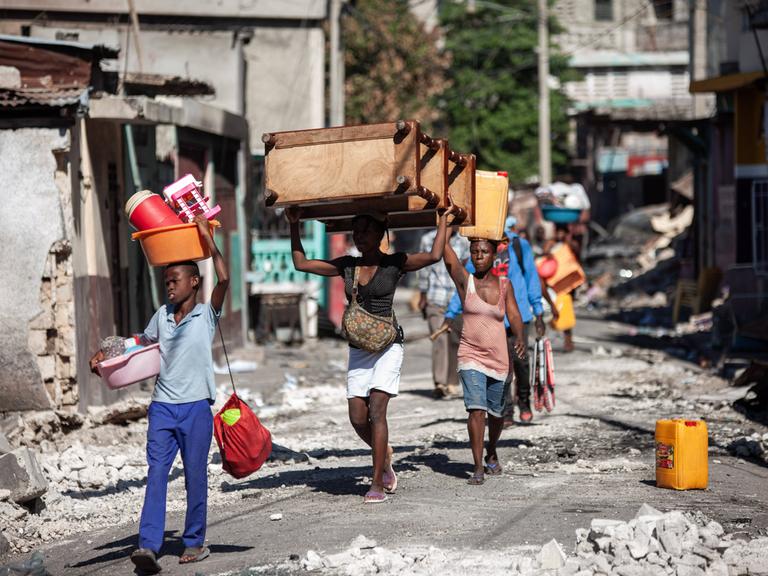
[[685, 570], [5, 546], [629, 570], [5, 494], [37, 342], [716, 528], [639, 547], [671, 544], [604, 526], [312, 561], [47, 366], [362, 543], [717, 568], [691, 560], [5, 446], [551, 556], [648, 511], [10, 78], [21, 474]]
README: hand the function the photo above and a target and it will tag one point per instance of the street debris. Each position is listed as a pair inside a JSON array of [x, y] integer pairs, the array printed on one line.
[[675, 543]]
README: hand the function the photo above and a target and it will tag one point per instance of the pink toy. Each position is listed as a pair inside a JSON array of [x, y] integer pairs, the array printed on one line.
[[130, 368], [185, 197]]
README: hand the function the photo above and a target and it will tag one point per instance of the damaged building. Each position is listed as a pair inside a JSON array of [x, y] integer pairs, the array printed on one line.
[[74, 150]]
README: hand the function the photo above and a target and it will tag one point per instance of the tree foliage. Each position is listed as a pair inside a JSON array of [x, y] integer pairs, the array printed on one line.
[[394, 68], [491, 103]]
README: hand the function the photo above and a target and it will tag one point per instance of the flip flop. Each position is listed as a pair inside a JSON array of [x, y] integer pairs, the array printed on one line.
[[390, 481], [476, 479], [194, 554], [493, 468], [372, 497], [145, 560]]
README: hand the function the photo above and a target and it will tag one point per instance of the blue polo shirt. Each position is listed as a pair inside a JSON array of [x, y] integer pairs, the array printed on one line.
[[186, 359]]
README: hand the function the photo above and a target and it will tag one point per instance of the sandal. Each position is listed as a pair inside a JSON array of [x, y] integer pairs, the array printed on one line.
[[145, 561], [476, 479], [493, 468], [372, 497], [191, 555], [389, 478]]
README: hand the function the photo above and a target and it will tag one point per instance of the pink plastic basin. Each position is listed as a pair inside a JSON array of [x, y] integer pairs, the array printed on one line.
[[131, 368]]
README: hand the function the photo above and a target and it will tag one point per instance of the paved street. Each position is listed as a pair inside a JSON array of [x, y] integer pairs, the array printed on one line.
[[591, 458]]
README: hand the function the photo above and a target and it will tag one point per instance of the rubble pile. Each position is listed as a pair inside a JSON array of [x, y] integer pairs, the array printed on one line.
[[652, 543], [674, 543], [753, 446]]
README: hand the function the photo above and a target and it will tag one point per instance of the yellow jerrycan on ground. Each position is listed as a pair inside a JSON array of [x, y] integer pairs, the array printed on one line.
[[681, 454], [491, 205]]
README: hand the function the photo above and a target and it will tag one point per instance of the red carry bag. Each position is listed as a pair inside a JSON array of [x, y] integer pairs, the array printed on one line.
[[244, 442]]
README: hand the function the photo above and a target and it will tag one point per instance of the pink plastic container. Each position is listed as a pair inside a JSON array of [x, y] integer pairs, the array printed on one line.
[[131, 368]]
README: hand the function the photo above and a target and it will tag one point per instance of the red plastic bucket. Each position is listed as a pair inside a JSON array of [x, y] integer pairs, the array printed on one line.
[[146, 210]]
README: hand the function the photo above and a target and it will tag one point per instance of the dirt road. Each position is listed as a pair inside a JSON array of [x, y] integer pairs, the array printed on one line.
[[591, 458]]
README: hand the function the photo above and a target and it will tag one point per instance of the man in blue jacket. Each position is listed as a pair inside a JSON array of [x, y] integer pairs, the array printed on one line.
[[516, 261]]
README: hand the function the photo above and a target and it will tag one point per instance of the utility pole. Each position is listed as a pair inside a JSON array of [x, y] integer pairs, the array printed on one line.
[[336, 116], [545, 161]]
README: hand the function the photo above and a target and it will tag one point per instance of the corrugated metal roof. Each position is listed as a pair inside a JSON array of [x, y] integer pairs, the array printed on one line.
[[39, 97], [98, 50]]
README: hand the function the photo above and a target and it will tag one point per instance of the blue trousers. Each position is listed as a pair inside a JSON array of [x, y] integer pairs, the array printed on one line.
[[172, 427]]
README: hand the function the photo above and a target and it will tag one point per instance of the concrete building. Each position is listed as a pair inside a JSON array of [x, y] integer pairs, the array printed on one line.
[[729, 47], [632, 60], [73, 151], [198, 84], [263, 60]]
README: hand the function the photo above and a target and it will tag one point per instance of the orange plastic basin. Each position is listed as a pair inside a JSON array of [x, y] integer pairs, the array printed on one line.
[[169, 244]]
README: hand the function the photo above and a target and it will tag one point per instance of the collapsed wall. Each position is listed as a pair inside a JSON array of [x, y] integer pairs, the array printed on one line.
[[37, 333]]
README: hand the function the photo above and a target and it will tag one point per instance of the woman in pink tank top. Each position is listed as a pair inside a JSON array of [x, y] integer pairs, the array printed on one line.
[[483, 355]]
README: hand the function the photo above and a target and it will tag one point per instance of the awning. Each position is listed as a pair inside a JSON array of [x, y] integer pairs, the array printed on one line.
[[726, 83]]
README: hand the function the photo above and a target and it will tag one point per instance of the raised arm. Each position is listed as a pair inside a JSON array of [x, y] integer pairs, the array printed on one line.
[[456, 269], [515, 321], [222, 273], [421, 259], [300, 261]]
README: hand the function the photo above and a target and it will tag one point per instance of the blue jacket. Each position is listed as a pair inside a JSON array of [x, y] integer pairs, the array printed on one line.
[[527, 286]]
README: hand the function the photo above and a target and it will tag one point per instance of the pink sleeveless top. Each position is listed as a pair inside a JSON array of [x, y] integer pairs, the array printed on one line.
[[483, 344]]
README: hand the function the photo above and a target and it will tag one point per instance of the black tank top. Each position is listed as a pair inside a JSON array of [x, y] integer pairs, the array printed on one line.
[[377, 295]]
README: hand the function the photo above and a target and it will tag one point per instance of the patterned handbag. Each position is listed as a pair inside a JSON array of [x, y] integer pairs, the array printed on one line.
[[365, 330]]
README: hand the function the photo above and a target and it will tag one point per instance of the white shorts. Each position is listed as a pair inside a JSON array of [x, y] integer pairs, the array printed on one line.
[[374, 371]]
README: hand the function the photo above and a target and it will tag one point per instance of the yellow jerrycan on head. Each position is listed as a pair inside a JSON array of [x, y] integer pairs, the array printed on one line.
[[491, 205], [681, 454]]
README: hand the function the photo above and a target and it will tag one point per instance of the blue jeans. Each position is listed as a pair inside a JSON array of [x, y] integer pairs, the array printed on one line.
[[482, 392], [172, 427]]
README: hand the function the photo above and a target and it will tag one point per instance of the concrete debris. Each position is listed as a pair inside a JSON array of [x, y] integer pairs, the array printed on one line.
[[5, 446], [21, 475], [551, 556], [276, 517], [634, 548], [120, 412], [362, 543], [753, 446], [4, 545]]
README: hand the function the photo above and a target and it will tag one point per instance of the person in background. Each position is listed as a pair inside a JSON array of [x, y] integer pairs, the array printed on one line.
[[564, 303], [436, 289], [516, 262], [483, 356], [179, 416], [373, 378]]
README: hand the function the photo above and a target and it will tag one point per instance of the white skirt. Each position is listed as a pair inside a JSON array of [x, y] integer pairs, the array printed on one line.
[[374, 371]]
